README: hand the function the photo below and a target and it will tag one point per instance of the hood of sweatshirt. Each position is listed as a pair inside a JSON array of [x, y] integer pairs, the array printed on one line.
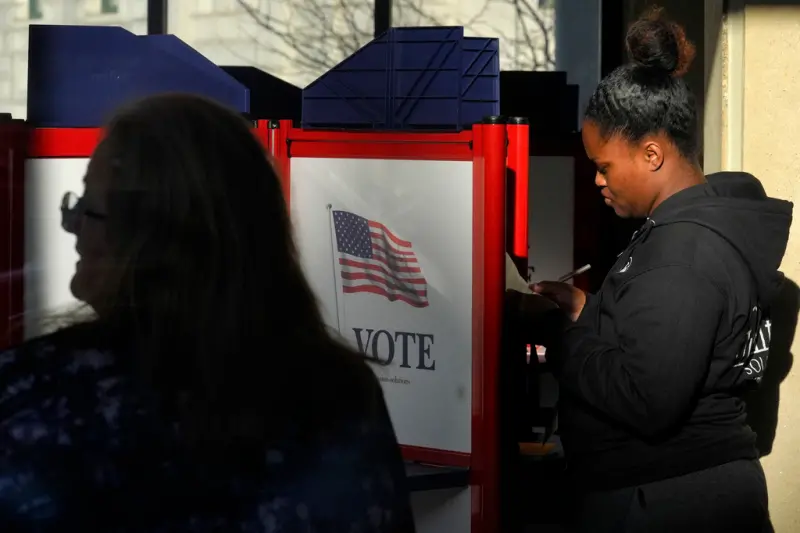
[[735, 206]]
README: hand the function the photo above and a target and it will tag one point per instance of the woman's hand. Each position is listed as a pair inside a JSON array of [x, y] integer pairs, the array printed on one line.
[[529, 306], [533, 316], [569, 298]]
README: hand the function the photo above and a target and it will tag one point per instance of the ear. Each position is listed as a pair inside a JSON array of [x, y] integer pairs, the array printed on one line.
[[653, 155]]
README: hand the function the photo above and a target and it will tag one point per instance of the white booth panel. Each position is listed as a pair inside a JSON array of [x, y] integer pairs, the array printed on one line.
[[426, 206], [50, 254]]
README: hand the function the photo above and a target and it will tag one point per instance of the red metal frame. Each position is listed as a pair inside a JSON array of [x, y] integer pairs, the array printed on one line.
[[431, 456], [278, 148], [63, 142], [486, 146], [13, 140], [81, 142], [490, 147], [518, 168], [416, 146]]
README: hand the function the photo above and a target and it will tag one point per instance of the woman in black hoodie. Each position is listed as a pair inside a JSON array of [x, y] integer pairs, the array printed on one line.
[[653, 367]]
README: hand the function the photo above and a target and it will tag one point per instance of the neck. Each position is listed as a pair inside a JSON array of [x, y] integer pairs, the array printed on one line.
[[687, 174]]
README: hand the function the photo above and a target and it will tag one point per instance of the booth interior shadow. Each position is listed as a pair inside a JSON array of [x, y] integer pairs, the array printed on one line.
[[763, 403]]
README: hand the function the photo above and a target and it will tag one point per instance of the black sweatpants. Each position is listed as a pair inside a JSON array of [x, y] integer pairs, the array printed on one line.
[[731, 498]]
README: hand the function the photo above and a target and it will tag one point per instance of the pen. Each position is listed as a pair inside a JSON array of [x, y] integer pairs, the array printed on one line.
[[569, 276]]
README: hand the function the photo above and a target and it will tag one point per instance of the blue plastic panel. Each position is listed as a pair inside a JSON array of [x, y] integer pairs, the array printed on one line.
[[354, 93], [409, 78], [480, 79], [79, 75]]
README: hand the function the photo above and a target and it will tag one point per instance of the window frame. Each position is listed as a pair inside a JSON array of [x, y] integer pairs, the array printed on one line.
[[110, 7], [35, 10]]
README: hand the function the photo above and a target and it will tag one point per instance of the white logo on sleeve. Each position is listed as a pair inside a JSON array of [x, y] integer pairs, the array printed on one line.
[[755, 352]]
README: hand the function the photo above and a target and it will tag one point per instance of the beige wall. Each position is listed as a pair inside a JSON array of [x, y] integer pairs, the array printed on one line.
[[771, 151]]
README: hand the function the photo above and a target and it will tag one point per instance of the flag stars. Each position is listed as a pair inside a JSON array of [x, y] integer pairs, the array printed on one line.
[[352, 234]]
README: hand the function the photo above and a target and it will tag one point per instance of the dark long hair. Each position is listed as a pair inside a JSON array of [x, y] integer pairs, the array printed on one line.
[[648, 95], [206, 287]]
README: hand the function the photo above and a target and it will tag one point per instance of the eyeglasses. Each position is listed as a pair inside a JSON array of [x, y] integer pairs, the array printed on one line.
[[72, 208]]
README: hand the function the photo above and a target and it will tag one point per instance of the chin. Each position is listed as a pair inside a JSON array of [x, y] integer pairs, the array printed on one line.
[[621, 212], [79, 285], [84, 287], [75, 287], [87, 305]]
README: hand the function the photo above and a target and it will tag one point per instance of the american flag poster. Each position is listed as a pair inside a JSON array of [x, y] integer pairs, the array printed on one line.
[[387, 247], [373, 259]]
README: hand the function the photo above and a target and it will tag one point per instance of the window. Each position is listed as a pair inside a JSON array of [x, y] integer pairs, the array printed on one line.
[[109, 6], [204, 7], [14, 31], [34, 9], [294, 40], [534, 35], [526, 29]]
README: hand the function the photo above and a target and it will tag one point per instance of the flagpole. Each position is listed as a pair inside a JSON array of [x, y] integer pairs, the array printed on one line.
[[334, 266]]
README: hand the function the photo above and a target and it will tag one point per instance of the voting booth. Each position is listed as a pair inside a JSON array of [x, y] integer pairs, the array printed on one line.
[[403, 237], [405, 188]]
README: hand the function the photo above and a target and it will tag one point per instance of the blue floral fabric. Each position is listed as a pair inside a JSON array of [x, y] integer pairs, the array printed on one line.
[[80, 452]]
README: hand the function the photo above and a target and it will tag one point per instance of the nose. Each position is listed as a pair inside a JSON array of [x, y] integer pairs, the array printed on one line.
[[70, 217], [600, 180], [74, 225], [70, 225], [71, 222]]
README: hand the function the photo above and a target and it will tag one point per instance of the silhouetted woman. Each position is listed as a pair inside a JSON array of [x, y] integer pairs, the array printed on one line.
[[653, 370], [207, 395]]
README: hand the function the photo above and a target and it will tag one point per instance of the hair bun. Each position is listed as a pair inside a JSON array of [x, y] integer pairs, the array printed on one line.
[[656, 43]]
